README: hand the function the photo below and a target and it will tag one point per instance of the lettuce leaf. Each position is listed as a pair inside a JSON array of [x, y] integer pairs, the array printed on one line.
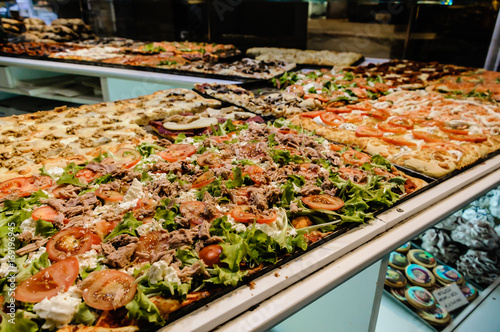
[[126, 226], [224, 276], [21, 322], [142, 309], [84, 315], [34, 267], [45, 228]]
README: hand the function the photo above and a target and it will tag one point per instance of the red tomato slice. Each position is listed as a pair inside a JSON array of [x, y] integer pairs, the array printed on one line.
[[338, 109], [324, 202], [203, 180], [378, 114], [105, 227], [252, 151], [108, 289], [428, 137], [46, 213], [454, 131], [267, 217], [355, 157], [353, 174], [401, 121], [336, 147], [255, 173], [24, 186], [296, 89], [356, 118], [192, 210], [109, 195], [240, 196], [210, 255], [332, 119], [469, 138], [387, 127], [87, 175], [312, 114], [220, 139], [292, 151], [241, 214], [444, 146], [360, 107], [177, 152], [396, 140], [71, 242], [316, 96], [148, 244], [129, 157], [309, 170], [364, 131], [286, 131], [48, 282], [382, 87]]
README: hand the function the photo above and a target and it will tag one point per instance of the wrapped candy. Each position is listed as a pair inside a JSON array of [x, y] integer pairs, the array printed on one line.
[[450, 222], [479, 266], [438, 243], [476, 235]]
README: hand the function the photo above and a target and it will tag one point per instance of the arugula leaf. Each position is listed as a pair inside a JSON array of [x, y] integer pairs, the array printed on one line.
[[43, 171], [167, 63], [379, 161], [45, 228], [167, 214], [244, 162], [147, 149], [101, 157], [142, 309], [234, 251], [238, 179], [126, 226], [180, 138], [285, 157]]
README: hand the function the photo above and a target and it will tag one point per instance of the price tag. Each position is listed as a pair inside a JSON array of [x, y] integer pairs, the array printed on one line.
[[450, 297]]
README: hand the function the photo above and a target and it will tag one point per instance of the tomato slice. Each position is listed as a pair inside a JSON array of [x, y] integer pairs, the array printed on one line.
[[105, 227], [324, 202], [366, 106], [203, 180], [87, 175], [252, 151], [48, 282], [311, 114], [255, 173], [292, 151], [322, 98], [443, 145], [353, 174], [148, 244], [24, 186], [240, 196], [309, 170], [192, 210], [266, 217], [431, 123], [220, 139], [46, 213], [286, 131], [397, 140], [354, 118], [387, 127], [241, 214], [428, 137], [338, 109], [332, 119], [296, 89], [364, 131], [478, 138], [177, 152], [109, 195], [108, 289], [355, 157], [401, 121], [336, 147], [378, 114], [129, 157], [210, 255], [71, 242]]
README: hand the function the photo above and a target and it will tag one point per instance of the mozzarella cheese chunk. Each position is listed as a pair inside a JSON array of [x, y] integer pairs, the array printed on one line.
[[58, 311]]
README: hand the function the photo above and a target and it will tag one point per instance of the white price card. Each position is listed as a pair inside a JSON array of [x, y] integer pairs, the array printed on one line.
[[450, 297]]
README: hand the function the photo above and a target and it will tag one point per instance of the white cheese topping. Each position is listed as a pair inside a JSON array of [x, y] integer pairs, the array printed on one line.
[[189, 195], [55, 172], [348, 126], [89, 260], [132, 196], [59, 310], [275, 228], [36, 255], [160, 271], [5, 267], [28, 225], [149, 227], [237, 226]]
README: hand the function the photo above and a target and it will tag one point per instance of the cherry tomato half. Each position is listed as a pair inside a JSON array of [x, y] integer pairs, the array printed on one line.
[[177, 152], [324, 202], [71, 242], [108, 289]]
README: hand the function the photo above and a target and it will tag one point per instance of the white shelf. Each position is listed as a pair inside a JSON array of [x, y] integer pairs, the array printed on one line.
[[48, 95]]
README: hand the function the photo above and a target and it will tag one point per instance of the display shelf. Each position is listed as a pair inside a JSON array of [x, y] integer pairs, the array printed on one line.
[[116, 83], [303, 280], [53, 96]]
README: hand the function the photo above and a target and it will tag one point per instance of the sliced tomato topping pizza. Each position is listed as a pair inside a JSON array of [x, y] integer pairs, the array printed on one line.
[[133, 235]]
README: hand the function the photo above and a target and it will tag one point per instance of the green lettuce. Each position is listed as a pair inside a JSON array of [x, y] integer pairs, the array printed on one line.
[[142, 309], [126, 226]]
